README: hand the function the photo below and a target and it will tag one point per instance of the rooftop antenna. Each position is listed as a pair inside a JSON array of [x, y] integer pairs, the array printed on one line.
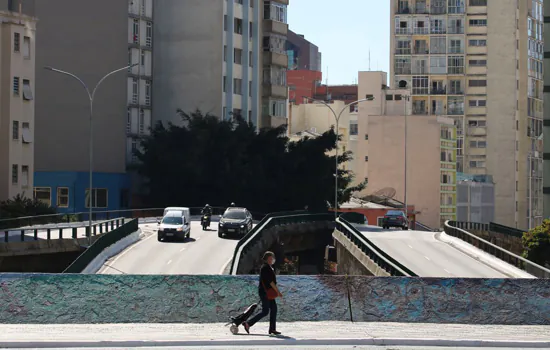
[[369, 60], [328, 99]]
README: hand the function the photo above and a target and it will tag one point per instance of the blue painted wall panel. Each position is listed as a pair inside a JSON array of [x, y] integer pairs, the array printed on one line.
[[77, 183]]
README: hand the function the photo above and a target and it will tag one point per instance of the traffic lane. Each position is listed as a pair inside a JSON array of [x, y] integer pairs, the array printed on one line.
[[203, 253], [421, 252]]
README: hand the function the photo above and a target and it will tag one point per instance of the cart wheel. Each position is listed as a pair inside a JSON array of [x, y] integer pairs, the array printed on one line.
[[234, 329]]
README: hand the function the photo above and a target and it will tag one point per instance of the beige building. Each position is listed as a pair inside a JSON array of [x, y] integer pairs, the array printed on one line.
[[221, 57], [480, 63], [17, 76], [379, 150]]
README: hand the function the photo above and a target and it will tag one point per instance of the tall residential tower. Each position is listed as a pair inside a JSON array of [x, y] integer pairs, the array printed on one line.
[[480, 63]]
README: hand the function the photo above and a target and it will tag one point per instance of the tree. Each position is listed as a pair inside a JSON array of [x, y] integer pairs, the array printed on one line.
[[21, 206], [208, 160], [536, 244]]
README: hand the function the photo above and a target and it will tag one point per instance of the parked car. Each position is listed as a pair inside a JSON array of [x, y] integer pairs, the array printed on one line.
[[235, 221], [395, 218], [175, 225]]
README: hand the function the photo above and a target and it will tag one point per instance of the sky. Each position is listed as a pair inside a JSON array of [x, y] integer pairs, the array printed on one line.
[[345, 31]]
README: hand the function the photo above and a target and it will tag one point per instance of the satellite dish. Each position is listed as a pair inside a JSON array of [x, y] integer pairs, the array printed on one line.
[[402, 84]]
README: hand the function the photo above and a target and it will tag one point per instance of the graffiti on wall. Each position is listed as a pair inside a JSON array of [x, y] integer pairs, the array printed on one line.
[[61, 299]]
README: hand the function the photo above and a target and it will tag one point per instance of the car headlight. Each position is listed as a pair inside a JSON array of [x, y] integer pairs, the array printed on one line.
[[242, 226], [221, 223], [180, 229]]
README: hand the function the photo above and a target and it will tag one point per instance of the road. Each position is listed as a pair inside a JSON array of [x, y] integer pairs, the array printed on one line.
[[204, 253], [299, 347], [421, 252]]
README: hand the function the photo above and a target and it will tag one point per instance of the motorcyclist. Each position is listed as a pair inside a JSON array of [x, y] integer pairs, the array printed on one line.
[[207, 210], [233, 205]]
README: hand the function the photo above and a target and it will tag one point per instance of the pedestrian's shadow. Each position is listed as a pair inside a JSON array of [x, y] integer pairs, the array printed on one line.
[[267, 335]]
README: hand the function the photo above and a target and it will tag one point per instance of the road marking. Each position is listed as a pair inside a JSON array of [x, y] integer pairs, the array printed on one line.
[[169, 262], [182, 249], [449, 272], [225, 266], [427, 258], [196, 239], [410, 246], [125, 252]]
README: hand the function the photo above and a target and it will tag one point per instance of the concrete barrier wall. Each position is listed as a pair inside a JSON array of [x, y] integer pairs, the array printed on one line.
[[63, 299]]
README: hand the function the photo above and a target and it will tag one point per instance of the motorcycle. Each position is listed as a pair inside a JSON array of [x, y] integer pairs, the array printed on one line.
[[205, 222]]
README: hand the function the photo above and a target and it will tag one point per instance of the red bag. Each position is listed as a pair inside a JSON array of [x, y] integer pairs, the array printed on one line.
[[271, 293]]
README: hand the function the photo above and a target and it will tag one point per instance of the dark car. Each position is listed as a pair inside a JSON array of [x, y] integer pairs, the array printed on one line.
[[235, 222], [395, 218]]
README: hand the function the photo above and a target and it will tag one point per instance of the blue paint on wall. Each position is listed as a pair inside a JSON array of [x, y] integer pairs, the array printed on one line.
[[77, 184], [65, 299]]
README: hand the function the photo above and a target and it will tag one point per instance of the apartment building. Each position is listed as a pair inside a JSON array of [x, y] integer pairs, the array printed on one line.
[[17, 122], [302, 54], [225, 58], [383, 129], [82, 38], [546, 120], [479, 62]]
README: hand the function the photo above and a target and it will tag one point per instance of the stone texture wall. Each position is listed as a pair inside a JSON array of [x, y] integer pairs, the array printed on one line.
[[63, 299]]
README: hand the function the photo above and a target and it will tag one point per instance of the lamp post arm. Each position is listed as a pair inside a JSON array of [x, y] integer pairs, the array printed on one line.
[[108, 75]]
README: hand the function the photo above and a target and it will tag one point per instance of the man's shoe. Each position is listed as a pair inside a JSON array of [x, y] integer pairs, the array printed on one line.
[[274, 332]]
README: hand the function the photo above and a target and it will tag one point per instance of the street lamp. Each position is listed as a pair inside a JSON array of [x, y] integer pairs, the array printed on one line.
[[91, 96], [406, 99], [337, 118]]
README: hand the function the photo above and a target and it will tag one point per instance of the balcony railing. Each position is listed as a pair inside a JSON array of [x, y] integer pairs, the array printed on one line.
[[419, 111], [421, 31], [403, 70], [420, 91], [456, 70], [456, 50], [437, 30], [403, 31], [421, 51], [455, 30], [438, 10], [455, 111], [442, 91], [455, 91], [406, 51]]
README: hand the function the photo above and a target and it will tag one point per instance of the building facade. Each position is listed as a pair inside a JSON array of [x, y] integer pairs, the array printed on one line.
[[224, 58], [546, 119], [302, 54], [475, 198], [302, 85], [479, 62], [385, 128], [122, 103], [17, 122]]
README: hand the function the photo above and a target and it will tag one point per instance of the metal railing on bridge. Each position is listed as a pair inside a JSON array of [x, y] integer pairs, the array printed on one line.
[[377, 255], [452, 229]]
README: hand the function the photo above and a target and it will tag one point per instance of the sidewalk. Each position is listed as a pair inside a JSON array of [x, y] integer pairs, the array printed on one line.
[[302, 333]]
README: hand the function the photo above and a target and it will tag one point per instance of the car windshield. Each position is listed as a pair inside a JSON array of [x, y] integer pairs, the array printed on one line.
[[394, 213], [172, 220], [235, 214]]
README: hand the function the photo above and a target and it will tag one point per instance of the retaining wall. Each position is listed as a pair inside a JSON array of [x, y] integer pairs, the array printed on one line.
[[77, 298]]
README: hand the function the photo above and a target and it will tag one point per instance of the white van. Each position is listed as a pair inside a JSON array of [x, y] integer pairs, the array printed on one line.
[[176, 223]]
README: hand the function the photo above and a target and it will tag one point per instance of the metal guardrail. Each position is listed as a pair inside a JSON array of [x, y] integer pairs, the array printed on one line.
[[100, 245], [15, 224], [377, 255], [504, 255], [490, 227], [61, 232], [270, 220]]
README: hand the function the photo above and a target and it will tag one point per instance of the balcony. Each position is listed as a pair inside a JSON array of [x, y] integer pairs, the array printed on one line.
[[417, 110], [271, 58], [275, 91], [456, 91], [403, 70], [438, 10], [438, 30], [270, 26], [455, 111], [403, 31], [456, 50], [441, 91], [421, 51], [421, 31], [403, 11], [456, 70], [284, 2], [455, 30], [403, 51]]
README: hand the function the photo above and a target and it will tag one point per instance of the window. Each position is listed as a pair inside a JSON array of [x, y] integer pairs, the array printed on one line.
[[14, 174], [237, 86], [26, 132], [478, 144], [238, 56], [27, 91], [99, 198], [15, 130], [147, 92], [62, 197], [477, 63], [125, 198], [478, 23], [133, 151], [237, 112], [277, 108], [477, 42], [16, 42], [141, 121], [478, 103], [225, 22], [274, 43], [135, 31], [250, 63], [250, 88], [16, 86], [275, 11], [478, 2], [26, 47], [477, 164], [366, 158], [455, 64], [366, 136], [44, 195], [134, 91], [476, 123], [129, 121], [224, 83], [250, 32], [149, 34], [477, 83], [225, 53], [389, 97], [143, 58], [238, 26], [354, 129], [25, 176]]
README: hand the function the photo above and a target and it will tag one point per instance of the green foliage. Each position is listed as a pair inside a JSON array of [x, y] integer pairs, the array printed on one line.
[[20, 206], [536, 244], [218, 162]]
